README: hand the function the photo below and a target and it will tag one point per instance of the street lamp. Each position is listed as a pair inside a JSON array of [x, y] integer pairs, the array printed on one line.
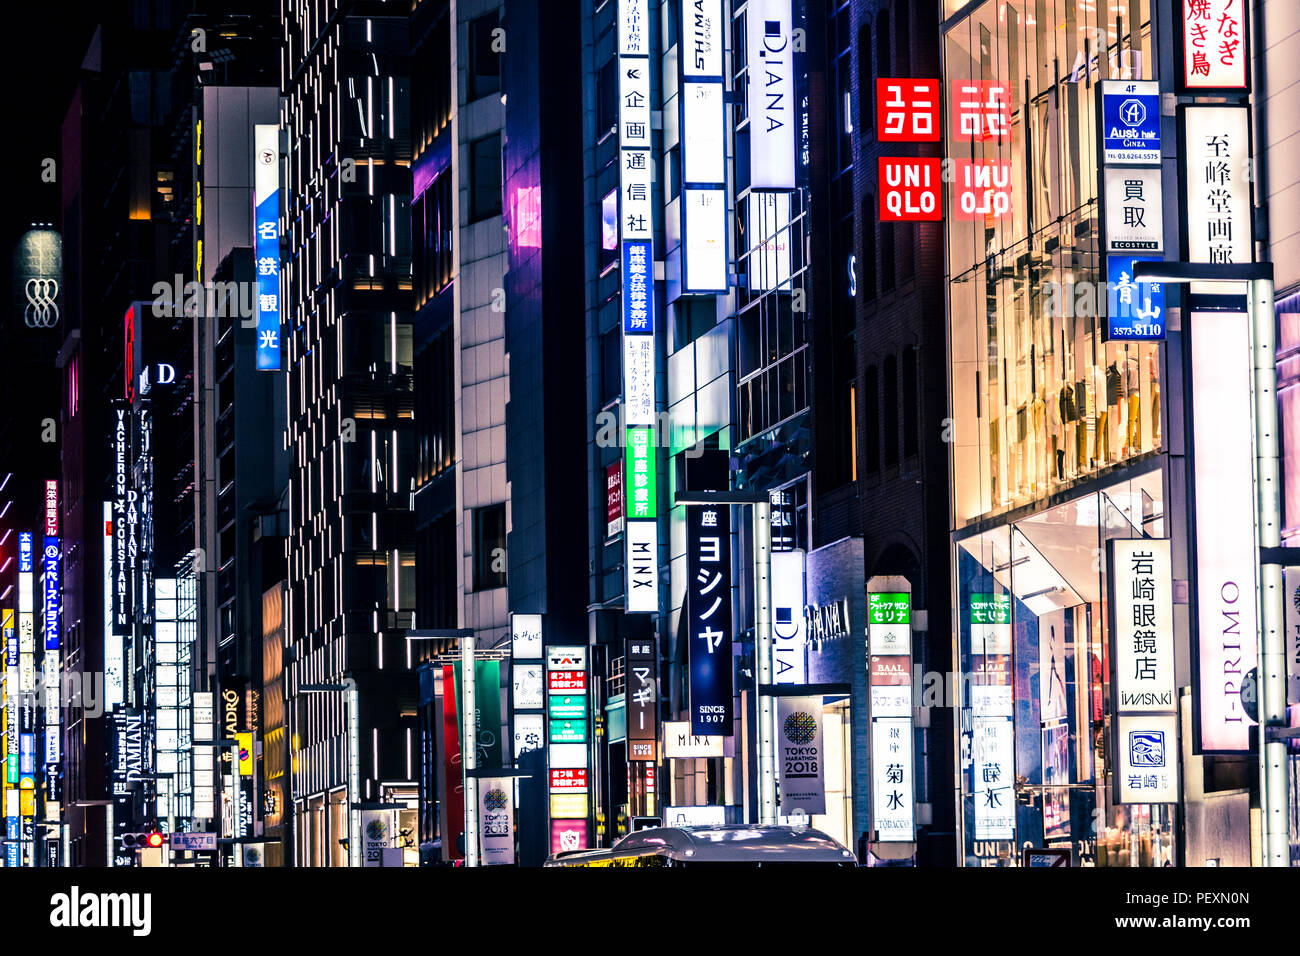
[[468, 730], [762, 516], [348, 687], [1272, 657]]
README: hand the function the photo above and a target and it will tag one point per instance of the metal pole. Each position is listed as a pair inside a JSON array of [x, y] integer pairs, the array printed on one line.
[[352, 702], [1272, 659], [763, 650], [469, 748]]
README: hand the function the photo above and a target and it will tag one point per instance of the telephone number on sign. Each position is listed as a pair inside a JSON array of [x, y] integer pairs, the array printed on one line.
[[1136, 331]]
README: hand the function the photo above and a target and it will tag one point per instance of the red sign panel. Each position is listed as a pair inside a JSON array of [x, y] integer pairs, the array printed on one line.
[[51, 508], [568, 778], [568, 835], [983, 190], [980, 110], [892, 671], [1214, 45], [907, 111], [909, 189], [567, 681]]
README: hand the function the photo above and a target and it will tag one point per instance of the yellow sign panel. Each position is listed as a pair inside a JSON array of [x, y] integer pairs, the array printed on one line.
[[245, 754], [568, 806]]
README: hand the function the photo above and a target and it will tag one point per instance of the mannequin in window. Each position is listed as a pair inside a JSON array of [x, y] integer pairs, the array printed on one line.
[[1131, 400], [1153, 378], [1038, 439], [1056, 449], [1098, 439]]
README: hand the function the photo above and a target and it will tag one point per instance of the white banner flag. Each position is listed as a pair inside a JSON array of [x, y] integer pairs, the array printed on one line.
[[801, 759]]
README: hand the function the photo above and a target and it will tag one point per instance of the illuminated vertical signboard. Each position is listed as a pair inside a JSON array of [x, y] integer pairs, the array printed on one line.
[[642, 700], [708, 614], [637, 274], [114, 676], [991, 706], [50, 671], [703, 148], [1142, 678], [568, 759], [1216, 175], [122, 504], [801, 756], [771, 95], [1215, 56], [889, 676], [266, 222], [1227, 553], [789, 626]]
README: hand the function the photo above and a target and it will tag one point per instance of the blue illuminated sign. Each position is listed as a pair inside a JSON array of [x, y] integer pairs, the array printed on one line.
[[1130, 115], [638, 287], [24, 551], [266, 245], [1136, 310], [51, 569]]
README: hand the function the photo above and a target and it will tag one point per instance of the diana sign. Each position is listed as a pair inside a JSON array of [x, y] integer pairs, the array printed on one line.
[[771, 95]]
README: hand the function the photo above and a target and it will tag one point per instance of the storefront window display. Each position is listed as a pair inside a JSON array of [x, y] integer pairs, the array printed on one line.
[[1039, 398], [1034, 696]]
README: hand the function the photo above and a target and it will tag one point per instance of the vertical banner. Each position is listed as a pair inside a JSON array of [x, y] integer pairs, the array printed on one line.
[[452, 823], [266, 222], [496, 808], [708, 601], [376, 836], [789, 626], [1227, 553], [771, 99], [642, 700], [801, 756], [487, 714]]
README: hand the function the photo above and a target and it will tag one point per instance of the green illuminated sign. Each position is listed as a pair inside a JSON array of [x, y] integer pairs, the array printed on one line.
[[568, 731], [990, 608], [889, 608], [562, 707], [640, 493]]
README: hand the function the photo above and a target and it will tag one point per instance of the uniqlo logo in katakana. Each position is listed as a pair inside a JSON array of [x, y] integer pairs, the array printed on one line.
[[980, 110], [907, 111]]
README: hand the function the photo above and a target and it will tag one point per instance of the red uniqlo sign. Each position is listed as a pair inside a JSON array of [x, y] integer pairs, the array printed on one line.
[[983, 190], [907, 111], [909, 189], [561, 681], [569, 779], [981, 110]]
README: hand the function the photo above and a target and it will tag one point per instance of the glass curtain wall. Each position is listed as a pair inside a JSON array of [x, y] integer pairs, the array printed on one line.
[[1039, 400], [1035, 695]]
